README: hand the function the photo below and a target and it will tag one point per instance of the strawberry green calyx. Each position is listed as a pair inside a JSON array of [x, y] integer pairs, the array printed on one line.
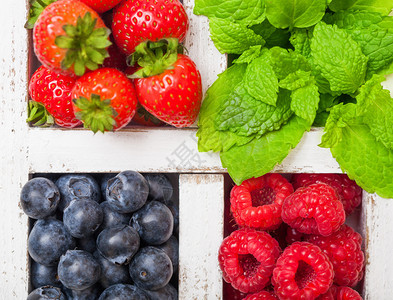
[[154, 57], [36, 8], [87, 46], [38, 115], [96, 114]]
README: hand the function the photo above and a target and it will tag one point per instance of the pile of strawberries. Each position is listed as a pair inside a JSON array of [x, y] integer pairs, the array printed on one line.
[[290, 240], [107, 62]]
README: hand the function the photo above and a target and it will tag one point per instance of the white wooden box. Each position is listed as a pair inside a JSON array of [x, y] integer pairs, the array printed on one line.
[[26, 151]]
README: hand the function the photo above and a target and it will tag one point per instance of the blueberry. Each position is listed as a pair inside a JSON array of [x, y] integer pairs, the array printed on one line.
[[113, 218], [91, 293], [112, 273], [153, 222], [104, 183], [78, 270], [174, 208], [171, 248], [127, 192], [123, 292], [88, 244], [118, 244], [77, 187], [151, 268], [48, 240], [39, 198], [160, 188], [82, 217], [44, 275], [168, 292], [46, 293]]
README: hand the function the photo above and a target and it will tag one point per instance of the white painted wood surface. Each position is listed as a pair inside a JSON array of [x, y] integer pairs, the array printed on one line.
[[27, 150]]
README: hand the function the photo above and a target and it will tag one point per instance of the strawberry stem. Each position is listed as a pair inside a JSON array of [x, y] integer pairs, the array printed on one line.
[[96, 114], [38, 115]]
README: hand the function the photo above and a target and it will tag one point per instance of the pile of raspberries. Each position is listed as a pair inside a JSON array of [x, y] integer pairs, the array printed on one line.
[[290, 240]]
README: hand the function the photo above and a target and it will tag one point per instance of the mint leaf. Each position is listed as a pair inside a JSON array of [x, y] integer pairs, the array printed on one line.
[[382, 6], [209, 138], [245, 12], [249, 55], [338, 58], [326, 102], [285, 62], [261, 82], [244, 115], [262, 154], [376, 107], [229, 37], [292, 13], [365, 160], [305, 96], [272, 35], [372, 32], [301, 40]]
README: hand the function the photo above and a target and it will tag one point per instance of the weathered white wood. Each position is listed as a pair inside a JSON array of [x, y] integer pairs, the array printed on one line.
[[13, 150], [378, 233], [201, 232]]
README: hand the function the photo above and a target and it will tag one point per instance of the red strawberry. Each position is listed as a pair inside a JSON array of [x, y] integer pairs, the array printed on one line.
[[136, 21], [101, 5], [104, 100], [69, 37], [144, 118], [53, 91]]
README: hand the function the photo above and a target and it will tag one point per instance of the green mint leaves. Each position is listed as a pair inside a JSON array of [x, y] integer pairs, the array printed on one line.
[[297, 64]]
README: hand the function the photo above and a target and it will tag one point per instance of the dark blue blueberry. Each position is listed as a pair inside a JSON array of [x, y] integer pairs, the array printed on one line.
[[160, 188], [104, 183], [127, 192], [78, 270], [88, 244], [77, 187], [113, 218], [118, 244], [153, 222], [46, 293], [91, 293], [123, 292], [112, 273], [39, 198], [174, 208], [44, 275], [48, 240], [168, 292], [82, 217], [171, 248], [151, 268]]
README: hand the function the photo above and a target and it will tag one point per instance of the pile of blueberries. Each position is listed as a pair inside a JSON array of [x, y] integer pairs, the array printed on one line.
[[107, 236]]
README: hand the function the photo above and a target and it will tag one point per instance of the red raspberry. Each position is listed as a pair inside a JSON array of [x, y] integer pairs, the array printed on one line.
[[294, 236], [264, 295], [257, 202], [349, 192], [303, 271], [247, 258], [315, 209], [340, 293], [344, 251]]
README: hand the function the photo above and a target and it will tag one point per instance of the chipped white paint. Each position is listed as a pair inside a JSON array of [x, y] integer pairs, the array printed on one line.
[[27, 150], [201, 211]]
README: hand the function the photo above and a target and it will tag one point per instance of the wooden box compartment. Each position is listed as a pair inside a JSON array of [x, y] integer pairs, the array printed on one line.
[[201, 179]]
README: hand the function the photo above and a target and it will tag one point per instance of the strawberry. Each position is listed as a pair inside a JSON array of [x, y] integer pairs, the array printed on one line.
[[136, 21], [101, 5], [144, 118], [69, 37], [51, 99], [169, 84], [104, 100]]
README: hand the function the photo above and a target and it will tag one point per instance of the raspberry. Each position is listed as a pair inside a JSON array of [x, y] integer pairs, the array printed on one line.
[[247, 258], [229, 293], [303, 271], [264, 295], [294, 236], [344, 251], [349, 192], [315, 209], [340, 293], [257, 202]]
